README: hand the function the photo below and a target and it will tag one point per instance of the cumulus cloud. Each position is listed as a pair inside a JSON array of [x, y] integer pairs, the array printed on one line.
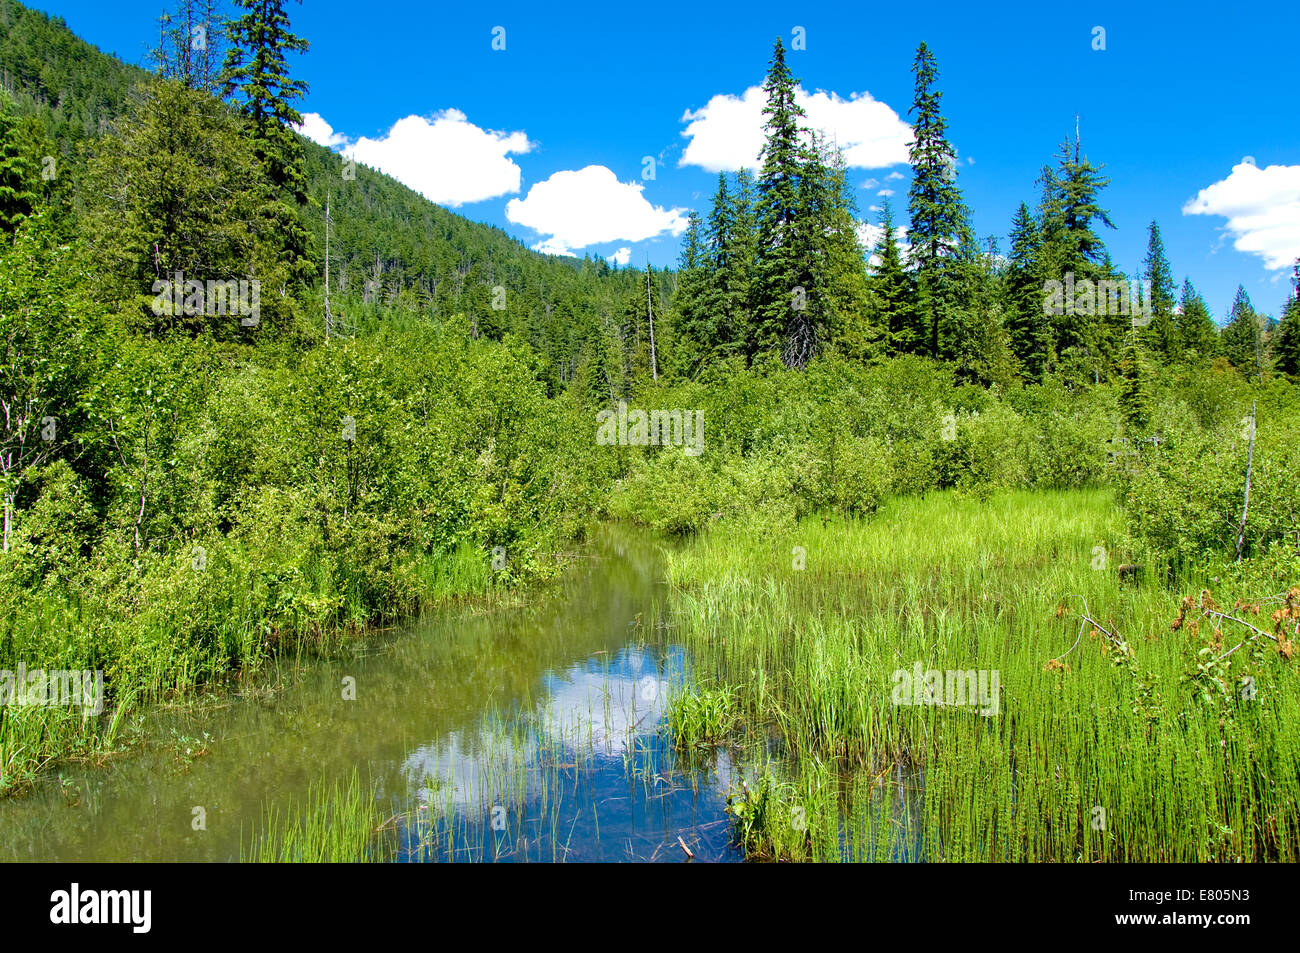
[[727, 132], [1262, 207], [446, 158], [315, 128], [620, 257], [578, 208]]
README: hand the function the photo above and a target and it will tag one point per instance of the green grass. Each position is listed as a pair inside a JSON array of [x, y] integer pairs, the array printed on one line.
[[338, 824], [1106, 755]]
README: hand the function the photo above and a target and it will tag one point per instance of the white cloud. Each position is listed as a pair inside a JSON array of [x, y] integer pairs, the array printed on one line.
[[1262, 207], [727, 132], [574, 209], [315, 128], [893, 176], [620, 257], [447, 158], [886, 192], [869, 184]]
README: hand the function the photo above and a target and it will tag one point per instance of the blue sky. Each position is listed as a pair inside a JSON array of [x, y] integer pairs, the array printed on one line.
[[548, 137]]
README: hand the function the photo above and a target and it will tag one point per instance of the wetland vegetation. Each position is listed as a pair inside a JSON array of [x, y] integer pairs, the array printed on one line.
[[937, 574]]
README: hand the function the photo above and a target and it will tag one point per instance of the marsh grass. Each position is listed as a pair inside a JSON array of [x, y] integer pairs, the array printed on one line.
[[1099, 755], [341, 823]]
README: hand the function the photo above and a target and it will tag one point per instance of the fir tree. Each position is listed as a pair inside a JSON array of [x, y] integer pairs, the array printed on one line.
[[1198, 335], [1286, 341], [1243, 337], [891, 292], [935, 207], [783, 266], [19, 173], [691, 299], [1161, 335], [1028, 327], [1086, 340], [1135, 389], [256, 76]]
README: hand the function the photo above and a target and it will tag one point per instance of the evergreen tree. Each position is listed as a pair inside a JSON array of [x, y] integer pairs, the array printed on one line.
[[937, 214], [178, 191], [1243, 336], [962, 324], [1028, 327], [690, 302], [1161, 335], [256, 76], [891, 292], [784, 259], [19, 172], [189, 45], [1085, 340], [1135, 389], [841, 277], [1286, 342], [1198, 335], [738, 258]]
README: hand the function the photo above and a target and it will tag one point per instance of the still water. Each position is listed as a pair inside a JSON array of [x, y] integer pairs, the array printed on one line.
[[502, 734]]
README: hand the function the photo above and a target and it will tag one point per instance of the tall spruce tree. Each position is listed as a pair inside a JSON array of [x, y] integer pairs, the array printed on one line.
[[783, 270], [1135, 389], [691, 298], [1028, 326], [840, 275], [19, 173], [1286, 340], [1198, 335], [1086, 340], [1161, 336], [1242, 337], [256, 77], [739, 255], [892, 294], [938, 217]]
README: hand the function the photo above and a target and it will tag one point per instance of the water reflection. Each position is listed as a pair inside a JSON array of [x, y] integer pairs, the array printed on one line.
[[548, 709]]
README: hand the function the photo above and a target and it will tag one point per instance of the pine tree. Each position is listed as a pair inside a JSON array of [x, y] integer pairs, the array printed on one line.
[[891, 292], [963, 323], [19, 173], [256, 76], [1286, 341], [1135, 389], [723, 273], [690, 300], [1161, 335], [840, 273], [1243, 339], [738, 256], [1028, 326], [784, 259], [1072, 251], [937, 214], [1198, 335]]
